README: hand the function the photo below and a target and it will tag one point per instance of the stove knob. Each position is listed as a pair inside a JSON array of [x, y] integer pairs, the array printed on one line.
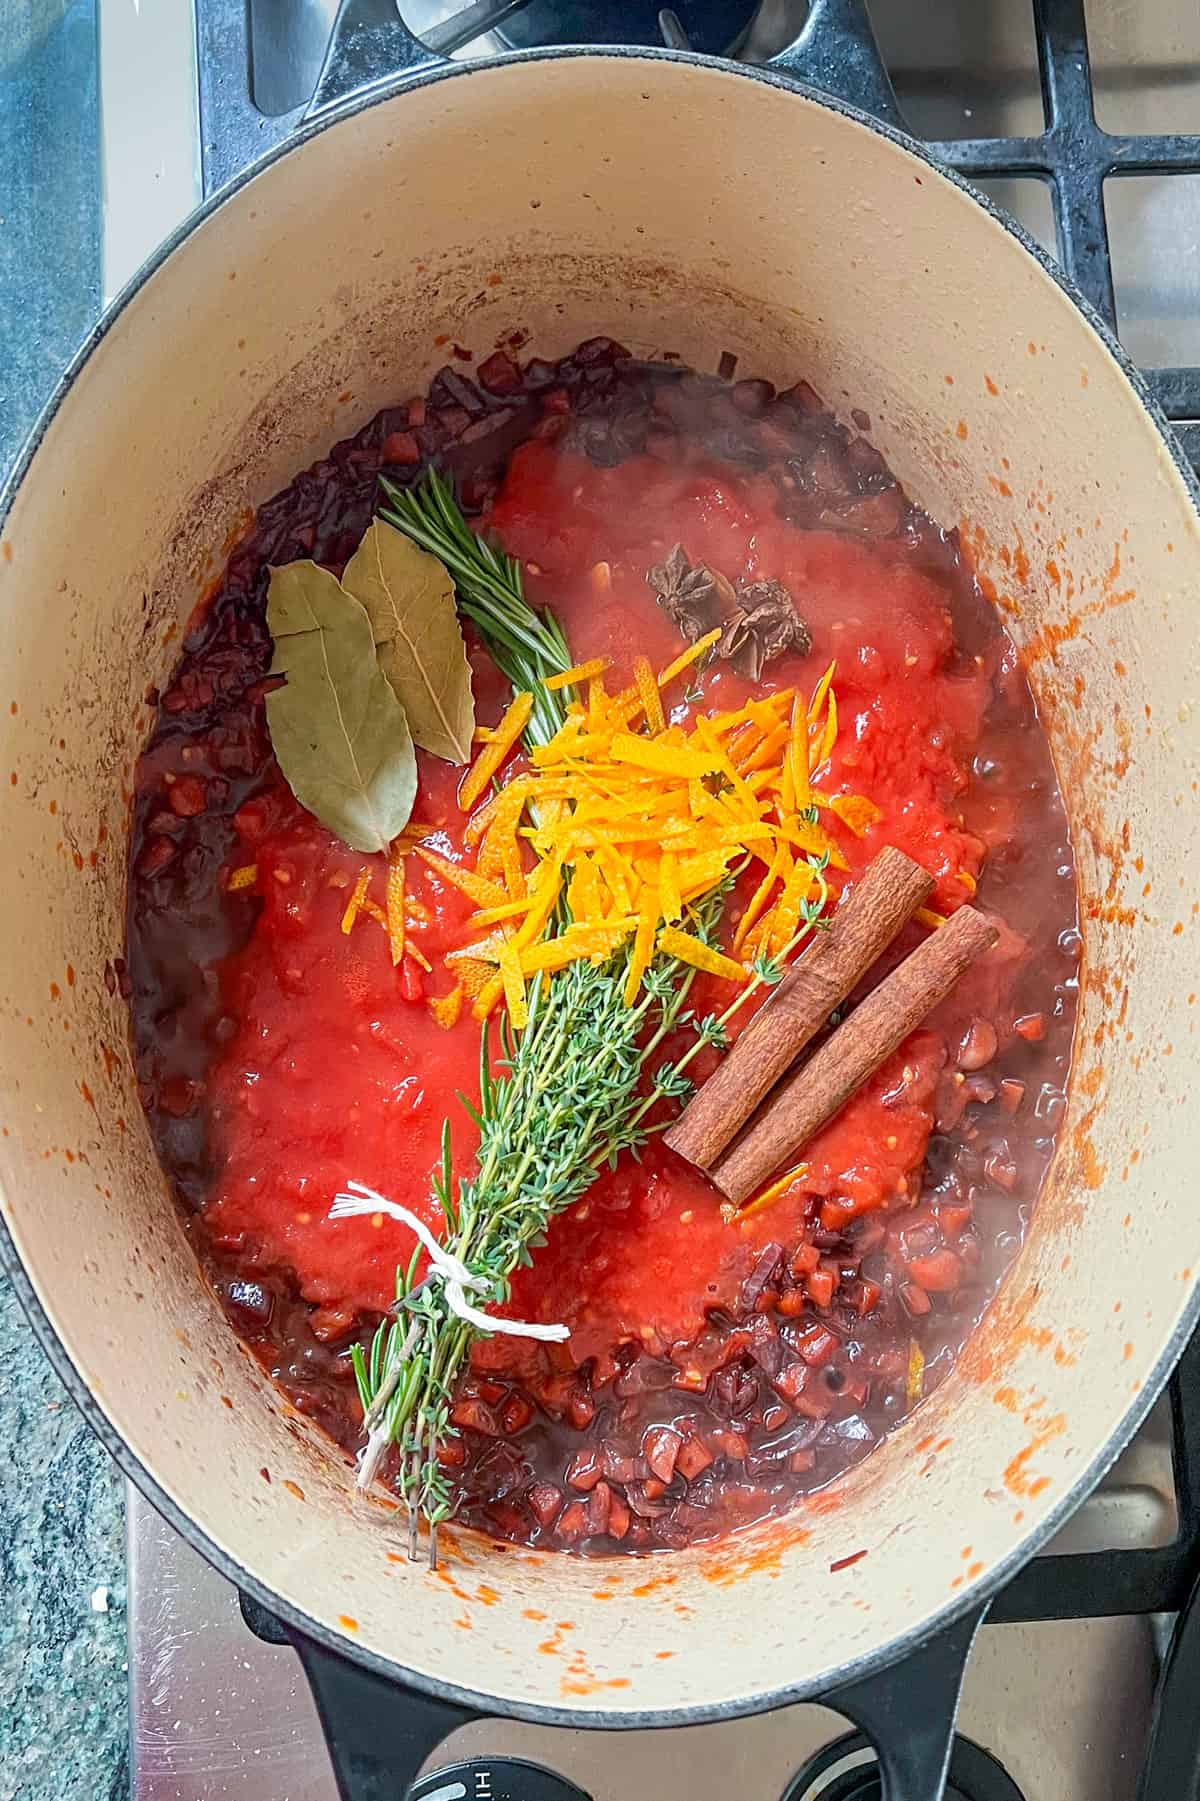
[[495, 1779]]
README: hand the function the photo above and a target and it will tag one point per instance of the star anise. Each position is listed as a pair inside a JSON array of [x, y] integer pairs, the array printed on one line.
[[765, 624], [694, 595]]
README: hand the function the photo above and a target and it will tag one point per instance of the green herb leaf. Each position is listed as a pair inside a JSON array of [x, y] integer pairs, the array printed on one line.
[[338, 732], [409, 598]]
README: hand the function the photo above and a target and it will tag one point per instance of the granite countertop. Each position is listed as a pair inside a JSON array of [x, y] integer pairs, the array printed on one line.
[[63, 1695]]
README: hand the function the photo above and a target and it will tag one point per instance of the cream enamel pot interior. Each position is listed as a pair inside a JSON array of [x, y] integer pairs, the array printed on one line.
[[678, 204]]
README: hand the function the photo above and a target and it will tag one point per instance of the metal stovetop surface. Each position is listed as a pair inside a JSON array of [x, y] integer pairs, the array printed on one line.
[[216, 1714]]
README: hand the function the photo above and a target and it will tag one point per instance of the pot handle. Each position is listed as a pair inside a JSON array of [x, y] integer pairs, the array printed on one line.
[[378, 1734], [837, 53], [908, 1712]]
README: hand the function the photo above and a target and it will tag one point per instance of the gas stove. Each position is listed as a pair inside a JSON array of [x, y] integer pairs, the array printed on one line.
[[1082, 1684]]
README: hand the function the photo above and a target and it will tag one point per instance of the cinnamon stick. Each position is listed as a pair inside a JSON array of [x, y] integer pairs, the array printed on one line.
[[889, 891], [800, 1105]]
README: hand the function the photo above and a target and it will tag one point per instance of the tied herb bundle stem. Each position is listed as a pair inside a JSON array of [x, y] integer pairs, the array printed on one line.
[[570, 1093]]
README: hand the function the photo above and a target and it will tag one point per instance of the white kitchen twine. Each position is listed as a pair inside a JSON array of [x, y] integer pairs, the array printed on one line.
[[451, 1271], [456, 1280]]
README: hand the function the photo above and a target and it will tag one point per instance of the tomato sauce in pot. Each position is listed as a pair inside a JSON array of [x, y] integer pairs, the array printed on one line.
[[719, 1364]]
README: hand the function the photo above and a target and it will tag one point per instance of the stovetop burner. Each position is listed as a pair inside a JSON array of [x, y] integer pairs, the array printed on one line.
[[713, 26], [848, 1770]]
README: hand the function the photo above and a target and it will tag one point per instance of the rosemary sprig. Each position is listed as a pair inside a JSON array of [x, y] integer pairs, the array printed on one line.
[[570, 1094], [525, 645]]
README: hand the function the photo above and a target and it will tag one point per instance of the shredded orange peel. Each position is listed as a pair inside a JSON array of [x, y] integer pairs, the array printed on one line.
[[632, 817], [775, 1191], [394, 917], [495, 750]]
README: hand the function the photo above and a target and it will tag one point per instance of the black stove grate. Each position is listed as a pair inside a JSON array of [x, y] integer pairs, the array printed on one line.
[[1076, 156]]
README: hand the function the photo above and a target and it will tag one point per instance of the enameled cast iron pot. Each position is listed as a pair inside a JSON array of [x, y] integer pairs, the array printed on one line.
[[685, 204]]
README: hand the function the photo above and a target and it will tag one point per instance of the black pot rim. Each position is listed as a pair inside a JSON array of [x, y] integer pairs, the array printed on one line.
[[974, 1596]]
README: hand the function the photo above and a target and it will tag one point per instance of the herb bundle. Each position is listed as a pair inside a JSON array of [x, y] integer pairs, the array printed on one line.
[[575, 1088]]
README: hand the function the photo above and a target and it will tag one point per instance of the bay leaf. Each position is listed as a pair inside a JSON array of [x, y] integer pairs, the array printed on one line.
[[409, 597], [337, 729]]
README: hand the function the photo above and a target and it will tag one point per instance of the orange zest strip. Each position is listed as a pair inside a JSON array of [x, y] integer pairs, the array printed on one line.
[[545, 899], [777, 870], [487, 997], [245, 877], [687, 949], [446, 1008], [818, 695], [663, 759], [766, 753], [784, 917], [490, 916], [597, 702], [476, 887], [689, 656], [395, 908], [521, 786], [643, 950], [798, 766], [774, 1193], [514, 986], [514, 874], [581, 672], [572, 947], [928, 917], [418, 957], [857, 812], [375, 912], [968, 880], [493, 754], [564, 747], [814, 842], [669, 898], [354, 904], [473, 977], [647, 687], [743, 792], [485, 950], [829, 736]]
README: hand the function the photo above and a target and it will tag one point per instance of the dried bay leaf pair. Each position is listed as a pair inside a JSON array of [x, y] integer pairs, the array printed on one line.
[[374, 663]]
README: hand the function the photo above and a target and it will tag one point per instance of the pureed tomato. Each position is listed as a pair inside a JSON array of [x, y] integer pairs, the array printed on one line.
[[715, 1367]]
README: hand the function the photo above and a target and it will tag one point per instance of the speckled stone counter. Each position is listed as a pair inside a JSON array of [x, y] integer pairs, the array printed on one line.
[[63, 1703]]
